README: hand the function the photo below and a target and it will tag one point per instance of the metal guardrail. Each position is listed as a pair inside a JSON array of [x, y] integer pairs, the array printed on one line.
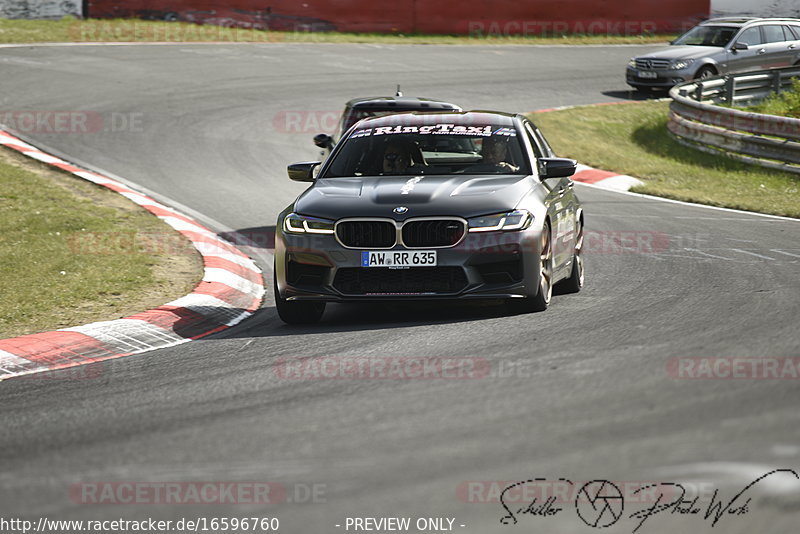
[[697, 120]]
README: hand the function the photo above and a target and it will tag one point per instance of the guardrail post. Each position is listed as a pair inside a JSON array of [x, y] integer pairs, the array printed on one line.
[[730, 89], [776, 81], [698, 93]]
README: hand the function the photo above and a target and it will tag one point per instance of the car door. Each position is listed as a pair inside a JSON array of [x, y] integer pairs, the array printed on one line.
[[569, 198], [751, 58], [792, 34], [779, 50], [562, 201]]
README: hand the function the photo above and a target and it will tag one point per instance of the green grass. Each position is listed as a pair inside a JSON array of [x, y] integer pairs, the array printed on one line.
[[632, 139], [64, 257], [118, 30], [786, 104]]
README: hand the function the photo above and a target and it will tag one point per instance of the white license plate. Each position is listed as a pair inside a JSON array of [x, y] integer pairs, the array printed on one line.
[[399, 258], [646, 74]]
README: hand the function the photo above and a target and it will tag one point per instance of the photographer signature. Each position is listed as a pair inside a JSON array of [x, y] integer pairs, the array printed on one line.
[[600, 503]]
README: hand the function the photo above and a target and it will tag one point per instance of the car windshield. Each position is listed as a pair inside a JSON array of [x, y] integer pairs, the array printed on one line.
[[431, 148], [707, 36]]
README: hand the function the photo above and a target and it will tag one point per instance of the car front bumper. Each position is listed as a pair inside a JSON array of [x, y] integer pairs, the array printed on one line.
[[664, 79], [485, 265]]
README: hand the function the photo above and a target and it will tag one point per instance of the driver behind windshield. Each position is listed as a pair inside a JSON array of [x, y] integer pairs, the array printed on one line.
[[494, 152], [397, 157]]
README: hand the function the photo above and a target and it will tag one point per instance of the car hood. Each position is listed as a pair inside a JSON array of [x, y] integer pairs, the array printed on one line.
[[684, 52], [462, 195]]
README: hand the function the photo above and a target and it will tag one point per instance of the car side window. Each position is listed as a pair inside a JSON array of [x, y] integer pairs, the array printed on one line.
[[792, 33], [751, 36], [538, 151], [773, 33]]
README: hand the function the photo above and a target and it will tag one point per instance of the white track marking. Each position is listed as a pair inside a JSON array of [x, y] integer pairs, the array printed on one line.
[[713, 255], [12, 364], [197, 300], [41, 156], [130, 335], [691, 204], [212, 274], [95, 178], [785, 253], [752, 254], [180, 224]]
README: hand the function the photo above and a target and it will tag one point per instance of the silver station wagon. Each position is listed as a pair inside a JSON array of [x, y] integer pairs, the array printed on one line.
[[718, 46]]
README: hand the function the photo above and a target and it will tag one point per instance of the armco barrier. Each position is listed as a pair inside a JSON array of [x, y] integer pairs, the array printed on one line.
[[697, 120]]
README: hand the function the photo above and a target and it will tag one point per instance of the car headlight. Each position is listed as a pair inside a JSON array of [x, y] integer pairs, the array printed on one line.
[[300, 224], [679, 64], [632, 63], [512, 220]]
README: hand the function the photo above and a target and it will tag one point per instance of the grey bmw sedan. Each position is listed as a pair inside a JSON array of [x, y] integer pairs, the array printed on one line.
[[469, 205]]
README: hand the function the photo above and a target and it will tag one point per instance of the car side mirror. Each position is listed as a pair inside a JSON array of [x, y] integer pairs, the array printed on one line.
[[302, 172], [323, 140], [556, 167], [740, 46]]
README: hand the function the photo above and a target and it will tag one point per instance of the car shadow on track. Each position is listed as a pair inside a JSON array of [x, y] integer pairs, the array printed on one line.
[[357, 317]]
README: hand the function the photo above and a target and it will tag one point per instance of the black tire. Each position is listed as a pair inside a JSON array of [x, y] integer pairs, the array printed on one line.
[[541, 300], [574, 283], [705, 72], [297, 312], [171, 17]]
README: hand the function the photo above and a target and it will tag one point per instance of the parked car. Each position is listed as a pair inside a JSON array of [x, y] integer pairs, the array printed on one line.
[[415, 206], [377, 106], [719, 46]]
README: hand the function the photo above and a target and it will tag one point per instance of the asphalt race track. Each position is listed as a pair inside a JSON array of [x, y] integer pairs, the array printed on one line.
[[582, 391]]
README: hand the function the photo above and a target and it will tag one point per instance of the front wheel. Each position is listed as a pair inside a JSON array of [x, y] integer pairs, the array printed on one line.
[[574, 283], [704, 73], [296, 312], [545, 293]]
